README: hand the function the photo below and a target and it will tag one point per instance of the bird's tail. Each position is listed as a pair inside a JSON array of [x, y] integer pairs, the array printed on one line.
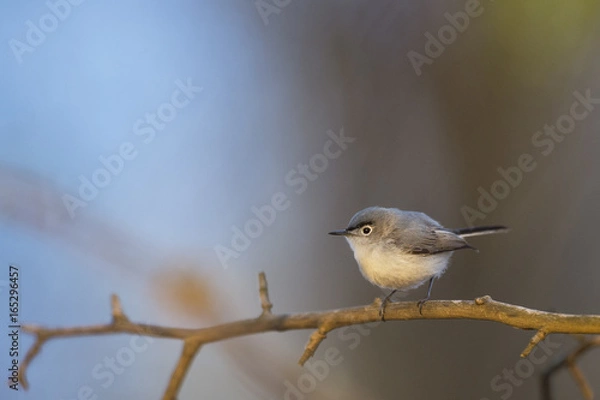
[[480, 231]]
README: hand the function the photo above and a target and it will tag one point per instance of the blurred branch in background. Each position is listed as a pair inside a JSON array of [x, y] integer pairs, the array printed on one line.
[[482, 308], [31, 201], [570, 361]]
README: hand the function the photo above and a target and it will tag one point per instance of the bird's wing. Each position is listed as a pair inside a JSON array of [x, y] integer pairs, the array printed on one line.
[[420, 234]]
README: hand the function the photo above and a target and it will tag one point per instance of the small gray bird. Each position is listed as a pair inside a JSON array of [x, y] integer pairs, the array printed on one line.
[[401, 250]]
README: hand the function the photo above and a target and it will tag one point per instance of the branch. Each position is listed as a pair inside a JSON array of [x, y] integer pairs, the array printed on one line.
[[570, 361], [482, 308], [190, 349]]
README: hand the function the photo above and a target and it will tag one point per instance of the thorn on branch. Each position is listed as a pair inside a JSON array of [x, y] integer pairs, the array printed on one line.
[[535, 340], [263, 291], [313, 343], [118, 316]]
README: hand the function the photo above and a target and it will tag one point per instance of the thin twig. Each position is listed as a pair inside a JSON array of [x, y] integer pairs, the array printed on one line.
[[313, 343], [117, 310], [263, 292], [569, 361], [579, 378], [537, 338], [482, 308]]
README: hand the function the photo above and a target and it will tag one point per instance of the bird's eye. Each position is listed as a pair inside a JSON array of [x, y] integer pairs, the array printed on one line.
[[367, 230]]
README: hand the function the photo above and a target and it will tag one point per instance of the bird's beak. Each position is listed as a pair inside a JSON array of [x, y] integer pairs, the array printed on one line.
[[343, 232]]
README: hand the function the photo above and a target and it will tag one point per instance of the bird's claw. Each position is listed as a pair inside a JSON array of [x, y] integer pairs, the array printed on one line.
[[382, 310], [420, 304], [383, 303]]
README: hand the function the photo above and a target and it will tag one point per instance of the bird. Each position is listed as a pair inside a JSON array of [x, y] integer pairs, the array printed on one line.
[[401, 250]]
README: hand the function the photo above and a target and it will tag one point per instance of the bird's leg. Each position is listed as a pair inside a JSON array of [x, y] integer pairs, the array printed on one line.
[[383, 303], [423, 301]]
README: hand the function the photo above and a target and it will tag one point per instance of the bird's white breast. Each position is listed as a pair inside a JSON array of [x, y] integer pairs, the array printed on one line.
[[394, 269]]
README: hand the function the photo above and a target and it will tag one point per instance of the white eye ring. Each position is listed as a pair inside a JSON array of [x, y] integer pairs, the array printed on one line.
[[366, 230]]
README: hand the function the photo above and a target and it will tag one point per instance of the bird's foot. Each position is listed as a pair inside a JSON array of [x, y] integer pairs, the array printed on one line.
[[382, 309], [383, 304], [420, 304]]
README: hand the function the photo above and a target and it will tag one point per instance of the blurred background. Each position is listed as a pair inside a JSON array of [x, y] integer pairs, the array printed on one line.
[[140, 140]]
